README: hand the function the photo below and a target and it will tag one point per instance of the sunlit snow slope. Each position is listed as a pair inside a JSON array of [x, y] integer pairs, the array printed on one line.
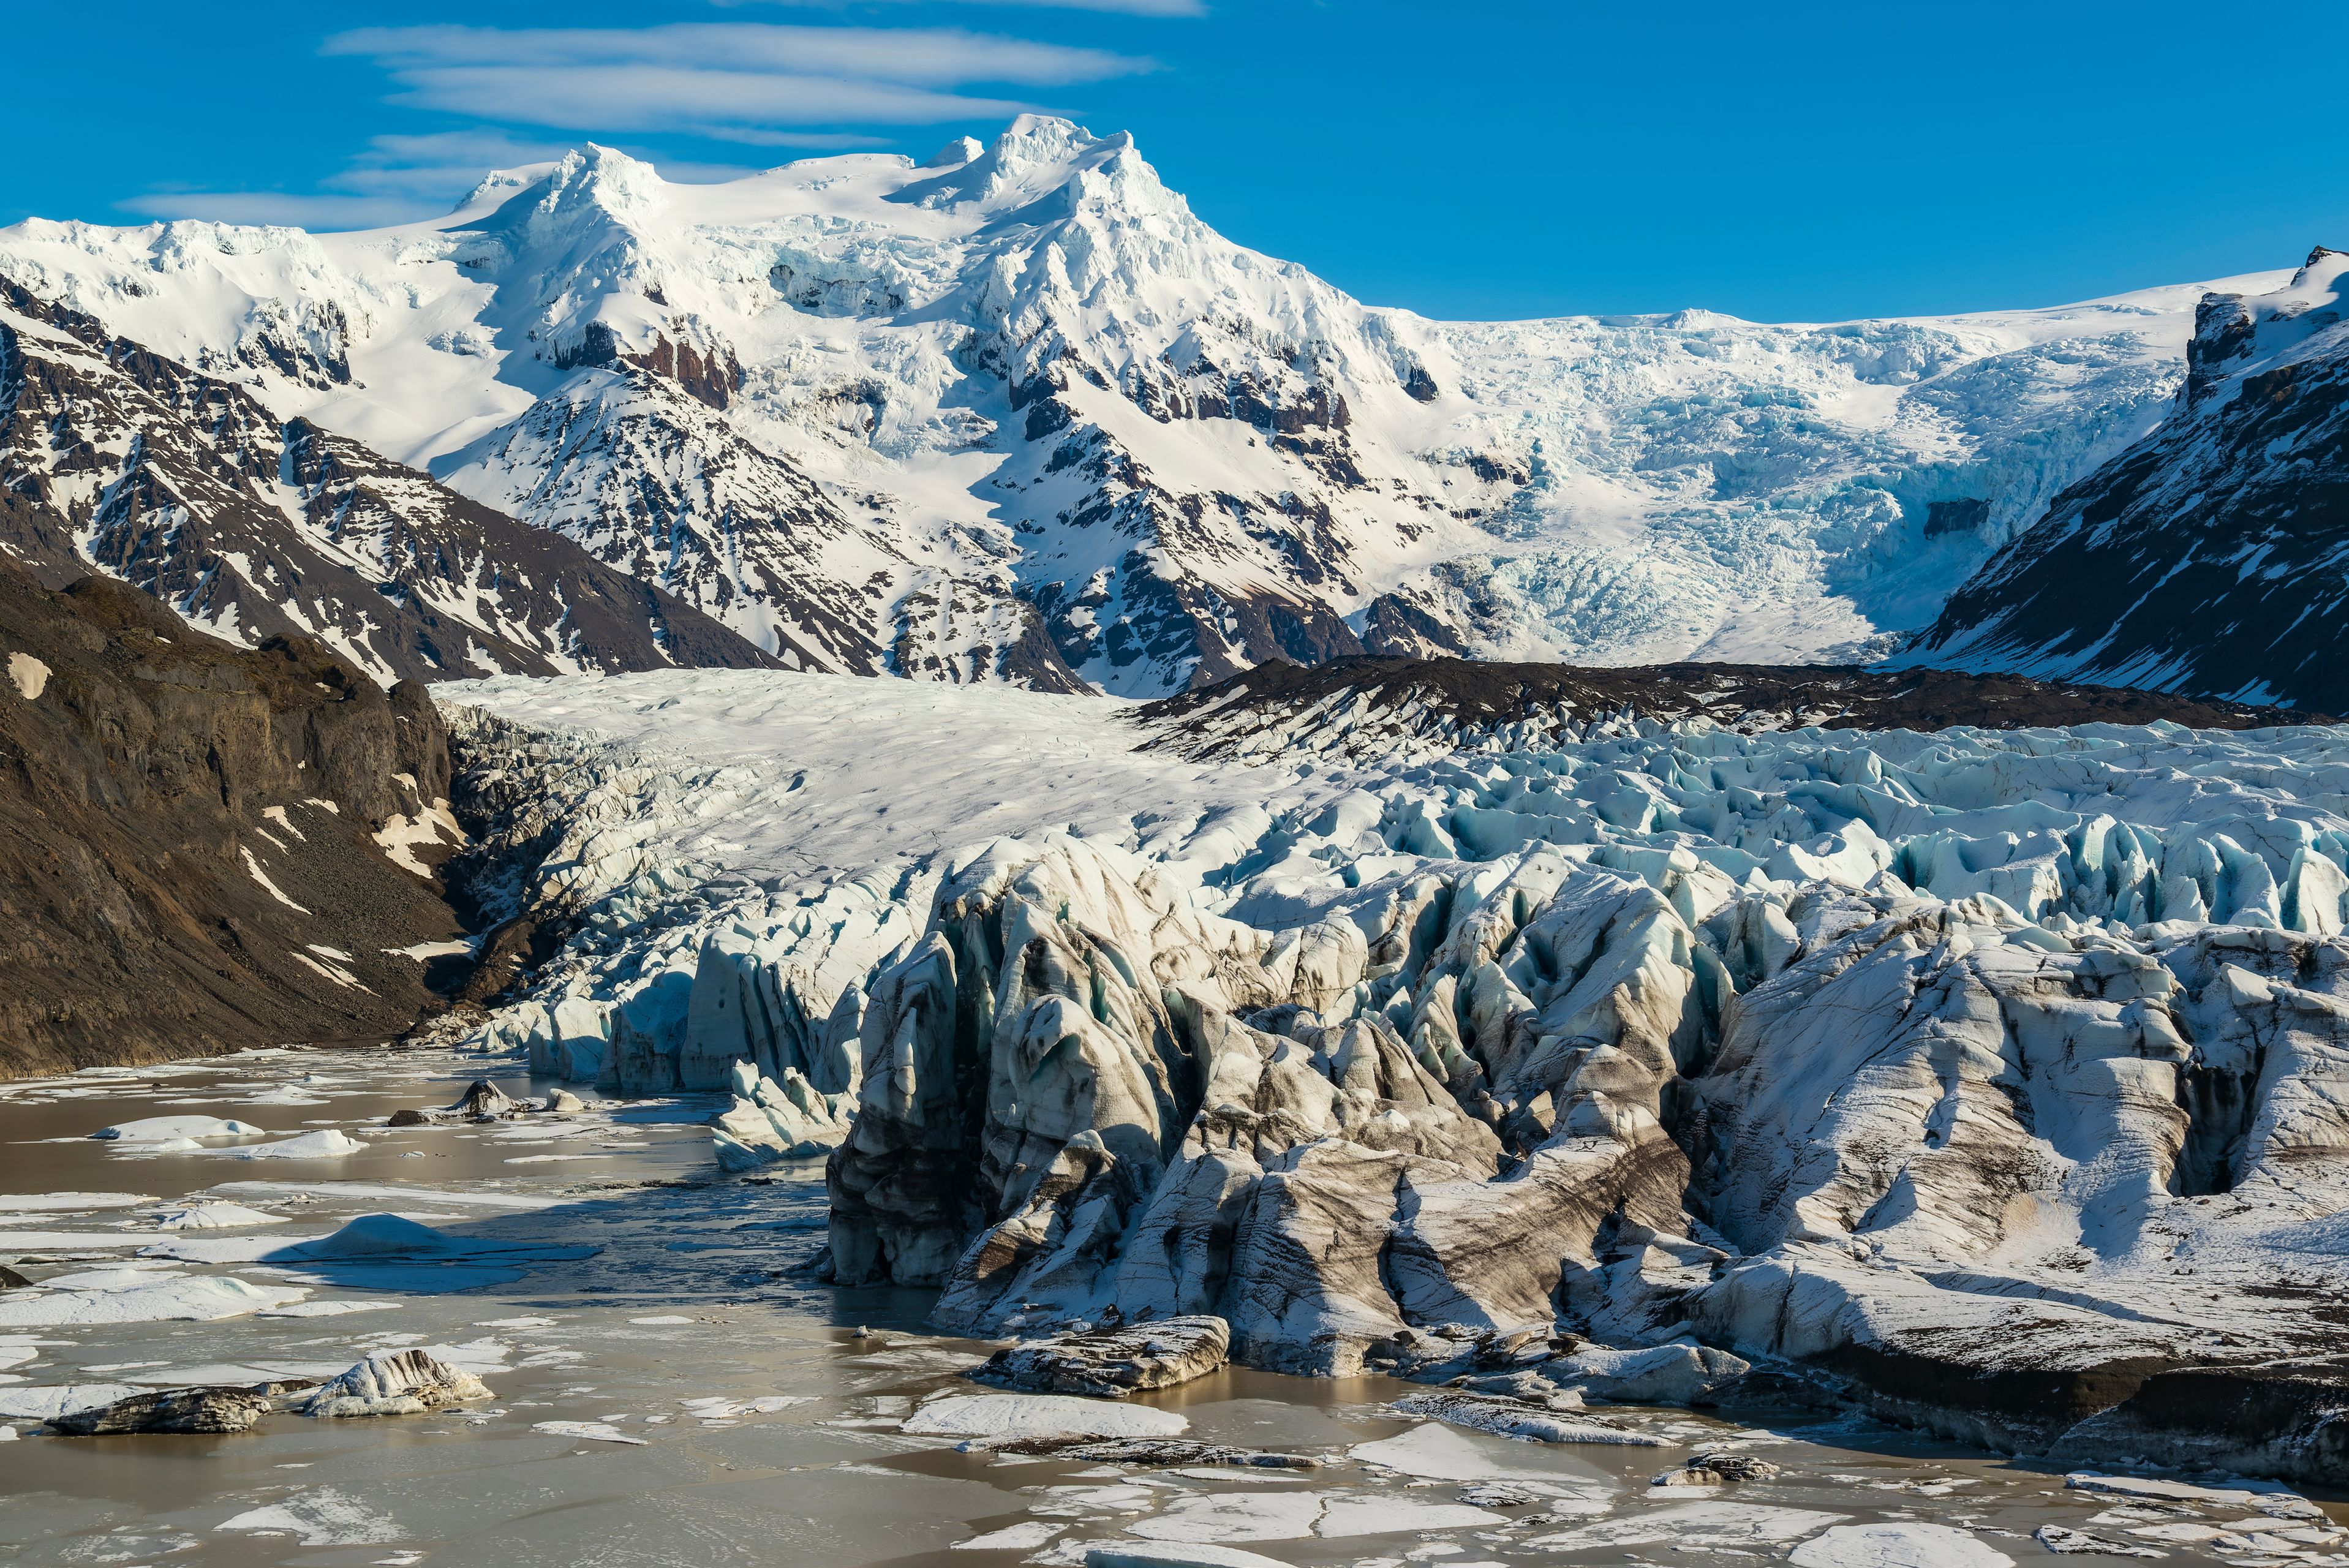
[[1018, 414]]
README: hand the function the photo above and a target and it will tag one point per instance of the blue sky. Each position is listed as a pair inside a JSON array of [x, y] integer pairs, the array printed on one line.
[[1786, 163]]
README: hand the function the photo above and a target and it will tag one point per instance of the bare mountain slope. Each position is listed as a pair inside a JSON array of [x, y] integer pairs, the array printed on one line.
[[2208, 558], [204, 848], [256, 527]]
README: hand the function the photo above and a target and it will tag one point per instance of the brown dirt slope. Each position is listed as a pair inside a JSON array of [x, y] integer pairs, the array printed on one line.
[[149, 780]]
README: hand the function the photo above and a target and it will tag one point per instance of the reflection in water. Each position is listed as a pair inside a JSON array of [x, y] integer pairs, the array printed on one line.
[[609, 1283]]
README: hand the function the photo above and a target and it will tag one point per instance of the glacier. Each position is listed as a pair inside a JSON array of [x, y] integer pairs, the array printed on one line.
[[1990, 1080], [1019, 414]]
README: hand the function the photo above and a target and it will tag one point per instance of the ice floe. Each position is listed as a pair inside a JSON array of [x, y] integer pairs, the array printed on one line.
[[143, 1301], [589, 1431], [326, 1516], [176, 1128], [1032, 1415], [1899, 1544]]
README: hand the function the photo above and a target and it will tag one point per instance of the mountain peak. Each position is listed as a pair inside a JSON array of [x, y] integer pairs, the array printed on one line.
[[956, 154]]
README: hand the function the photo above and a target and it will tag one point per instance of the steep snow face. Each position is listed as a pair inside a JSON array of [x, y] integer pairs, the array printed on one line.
[[1018, 413], [2205, 558], [250, 526], [1931, 1060]]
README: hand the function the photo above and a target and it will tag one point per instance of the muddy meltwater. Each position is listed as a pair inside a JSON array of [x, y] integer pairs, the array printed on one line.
[[670, 1389]]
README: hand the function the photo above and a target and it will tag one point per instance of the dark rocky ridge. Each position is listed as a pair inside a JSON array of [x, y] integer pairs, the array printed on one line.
[[133, 788], [1219, 719], [2205, 558]]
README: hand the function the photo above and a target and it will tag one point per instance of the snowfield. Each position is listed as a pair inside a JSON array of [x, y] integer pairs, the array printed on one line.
[[1018, 414], [1916, 1060]]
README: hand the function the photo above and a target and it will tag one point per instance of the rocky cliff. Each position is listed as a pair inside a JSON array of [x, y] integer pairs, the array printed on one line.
[[125, 461], [2206, 559], [205, 847]]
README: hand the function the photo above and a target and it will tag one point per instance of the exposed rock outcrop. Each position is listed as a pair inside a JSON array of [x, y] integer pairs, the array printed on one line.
[[205, 847], [173, 1410], [1113, 1362], [2201, 559]]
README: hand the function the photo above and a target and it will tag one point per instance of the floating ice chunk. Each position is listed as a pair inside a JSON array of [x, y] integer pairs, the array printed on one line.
[[398, 1194], [19, 1243], [664, 1320], [170, 1129], [1092, 1502], [593, 1432], [1726, 1524], [1034, 1415], [396, 1383], [369, 1239], [42, 1403], [1898, 1543], [718, 1407], [7, 1434], [162, 1301], [327, 1143], [1438, 1453], [1024, 1536], [214, 1216], [1358, 1515], [1157, 1554], [327, 1308], [1114, 1362], [1236, 1516], [115, 1276], [2067, 1542], [2267, 1500], [1508, 1418], [322, 1518], [45, 1202]]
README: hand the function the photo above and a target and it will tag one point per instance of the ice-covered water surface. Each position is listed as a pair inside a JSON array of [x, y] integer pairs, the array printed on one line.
[[679, 1396]]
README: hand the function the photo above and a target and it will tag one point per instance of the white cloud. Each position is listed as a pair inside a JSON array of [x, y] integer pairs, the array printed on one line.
[[719, 77], [749, 84], [1127, 8], [404, 179]]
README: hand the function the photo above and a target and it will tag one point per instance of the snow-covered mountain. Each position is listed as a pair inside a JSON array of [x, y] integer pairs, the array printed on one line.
[[1019, 413], [2209, 557], [254, 526]]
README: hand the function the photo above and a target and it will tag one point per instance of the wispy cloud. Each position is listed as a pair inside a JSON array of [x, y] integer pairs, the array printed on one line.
[[397, 180], [750, 84], [719, 77], [1126, 7]]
